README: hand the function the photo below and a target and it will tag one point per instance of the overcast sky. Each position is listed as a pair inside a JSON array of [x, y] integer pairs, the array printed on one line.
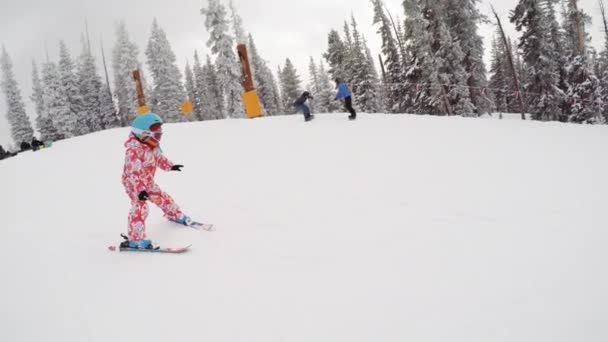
[[281, 29]]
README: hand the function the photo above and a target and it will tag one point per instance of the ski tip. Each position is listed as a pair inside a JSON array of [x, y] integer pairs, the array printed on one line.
[[112, 248]]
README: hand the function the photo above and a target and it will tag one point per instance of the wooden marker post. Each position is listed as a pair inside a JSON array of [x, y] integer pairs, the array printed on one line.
[[141, 99], [250, 97]]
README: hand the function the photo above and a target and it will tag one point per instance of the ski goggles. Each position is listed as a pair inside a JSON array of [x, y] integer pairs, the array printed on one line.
[[156, 135]]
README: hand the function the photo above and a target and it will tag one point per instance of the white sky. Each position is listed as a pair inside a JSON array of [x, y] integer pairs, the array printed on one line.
[[281, 29]]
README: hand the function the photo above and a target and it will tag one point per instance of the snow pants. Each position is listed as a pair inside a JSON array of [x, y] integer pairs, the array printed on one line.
[[139, 211]]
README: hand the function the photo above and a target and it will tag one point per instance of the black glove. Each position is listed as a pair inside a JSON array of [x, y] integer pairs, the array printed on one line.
[[143, 196], [177, 167]]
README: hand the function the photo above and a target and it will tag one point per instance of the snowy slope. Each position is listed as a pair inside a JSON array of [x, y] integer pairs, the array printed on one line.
[[389, 228]]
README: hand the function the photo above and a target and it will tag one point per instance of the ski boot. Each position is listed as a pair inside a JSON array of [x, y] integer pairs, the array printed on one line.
[[183, 219], [136, 244]]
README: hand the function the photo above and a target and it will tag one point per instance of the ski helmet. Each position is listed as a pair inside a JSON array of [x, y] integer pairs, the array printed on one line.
[[146, 127], [145, 121]]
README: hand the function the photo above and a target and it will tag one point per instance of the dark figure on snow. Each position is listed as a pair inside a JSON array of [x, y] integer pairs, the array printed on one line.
[[25, 146], [344, 93], [36, 144], [6, 154], [301, 106]]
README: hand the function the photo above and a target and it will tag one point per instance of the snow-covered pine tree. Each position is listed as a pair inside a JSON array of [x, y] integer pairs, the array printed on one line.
[[336, 55], [237, 25], [213, 94], [394, 87], [499, 83], [291, 87], [421, 73], [44, 124], [70, 90], [372, 67], [448, 58], [124, 62], [227, 66], [168, 93], [200, 101], [348, 63], [107, 108], [364, 81], [192, 91], [583, 102], [21, 127], [603, 60], [89, 84], [58, 109], [264, 80], [314, 86], [540, 58], [463, 18], [326, 94]]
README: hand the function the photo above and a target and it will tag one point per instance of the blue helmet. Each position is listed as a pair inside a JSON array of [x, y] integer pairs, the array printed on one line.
[[145, 121]]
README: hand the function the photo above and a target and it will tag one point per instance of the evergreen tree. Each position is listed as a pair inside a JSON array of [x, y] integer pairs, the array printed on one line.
[[325, 96], [265, 82], [201, 102], [57, 107], [336, 55], [603, 61], [168, 93], [421, 73], [364, 80], [463, 19], [237, 25], [314, 86], [583, 89], [89, 84], [192, 91], [499, 82], [21, 127], [540, 59], [43, 121], [124, 61], [107, 108], [452, 75], [227, 65], [70, 90], [213, 95], [290, 86], [394, 87], [349, 61]]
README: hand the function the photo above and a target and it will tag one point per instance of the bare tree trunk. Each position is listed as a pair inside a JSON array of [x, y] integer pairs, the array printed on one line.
[[520, 96], [604, 19], [382, 68], [401, 46], [580, 28], [105, 69], [446, 101]]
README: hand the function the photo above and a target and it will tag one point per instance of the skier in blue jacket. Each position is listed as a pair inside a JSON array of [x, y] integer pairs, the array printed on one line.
[[344, 93]]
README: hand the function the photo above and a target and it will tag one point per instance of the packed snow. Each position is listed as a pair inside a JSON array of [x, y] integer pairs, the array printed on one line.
[[388, 228]]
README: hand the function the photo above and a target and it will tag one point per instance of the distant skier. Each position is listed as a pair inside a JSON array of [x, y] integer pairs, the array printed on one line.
[[37, 144], [301, 105], [143, 156], [344, 93]]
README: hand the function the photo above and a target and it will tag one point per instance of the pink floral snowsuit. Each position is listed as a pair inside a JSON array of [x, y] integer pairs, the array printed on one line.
[[141, 162]]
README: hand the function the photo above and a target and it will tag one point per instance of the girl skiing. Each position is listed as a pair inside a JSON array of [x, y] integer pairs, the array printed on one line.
[[143, 156]]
